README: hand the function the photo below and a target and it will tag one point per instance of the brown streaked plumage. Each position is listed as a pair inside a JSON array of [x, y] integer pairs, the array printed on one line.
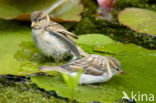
[[55, 27], [94, 67]]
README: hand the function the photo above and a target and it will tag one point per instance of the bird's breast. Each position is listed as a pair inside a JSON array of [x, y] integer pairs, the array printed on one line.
[[88, 78], [50, 45]]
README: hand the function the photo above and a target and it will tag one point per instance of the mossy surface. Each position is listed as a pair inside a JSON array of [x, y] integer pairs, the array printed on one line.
[[15, 91]]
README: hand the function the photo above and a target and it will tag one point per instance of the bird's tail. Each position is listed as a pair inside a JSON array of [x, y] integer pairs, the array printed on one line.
[[51, 68]]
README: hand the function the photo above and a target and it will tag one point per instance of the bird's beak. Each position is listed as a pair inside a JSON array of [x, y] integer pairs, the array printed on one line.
[[121, 72], [34, 24]]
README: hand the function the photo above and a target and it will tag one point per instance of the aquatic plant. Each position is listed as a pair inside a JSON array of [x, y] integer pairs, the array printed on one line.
[[72, 82]]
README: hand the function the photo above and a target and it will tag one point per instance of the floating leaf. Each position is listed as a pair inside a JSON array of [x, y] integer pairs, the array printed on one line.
[[60, 10], [140, 20], [137, 63], [83, 93], [93, 39]]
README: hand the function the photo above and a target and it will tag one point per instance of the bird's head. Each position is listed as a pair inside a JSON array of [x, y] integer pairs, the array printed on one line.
[[39, 19], [115, 66]]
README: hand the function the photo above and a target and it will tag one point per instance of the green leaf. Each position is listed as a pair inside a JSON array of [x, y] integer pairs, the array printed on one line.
[[137, 62], [93, 39], [140, 20], [11, 34], [82, 93], [72, 80], [60, 10], [20, 92]]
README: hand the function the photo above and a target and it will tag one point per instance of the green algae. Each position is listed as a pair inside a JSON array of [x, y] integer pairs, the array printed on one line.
[[12, 91]]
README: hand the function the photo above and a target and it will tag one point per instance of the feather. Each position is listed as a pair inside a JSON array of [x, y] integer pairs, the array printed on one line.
[[60, 29], [51, 68], [72, 46]]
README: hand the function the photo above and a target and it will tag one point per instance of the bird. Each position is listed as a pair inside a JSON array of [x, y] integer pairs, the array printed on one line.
[[52, 39], [96, 68]]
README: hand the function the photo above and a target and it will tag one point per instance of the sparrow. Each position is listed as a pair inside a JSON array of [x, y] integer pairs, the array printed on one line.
[[53, 39], [96, 68]]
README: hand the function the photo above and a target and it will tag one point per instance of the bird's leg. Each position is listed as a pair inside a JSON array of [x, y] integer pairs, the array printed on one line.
[[73, 59]]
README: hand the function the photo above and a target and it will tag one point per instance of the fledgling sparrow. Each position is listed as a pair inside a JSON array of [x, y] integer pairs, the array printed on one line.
[[96, 68], [52, 38]]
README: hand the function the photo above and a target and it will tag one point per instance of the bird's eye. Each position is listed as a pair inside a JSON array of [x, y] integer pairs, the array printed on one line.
[[116, 69], [39, 19]]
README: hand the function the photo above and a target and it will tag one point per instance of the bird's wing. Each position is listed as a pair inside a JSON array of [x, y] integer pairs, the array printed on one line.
[[71, 44], [59, 28], [82, 52], [93, 64], [89, 64]]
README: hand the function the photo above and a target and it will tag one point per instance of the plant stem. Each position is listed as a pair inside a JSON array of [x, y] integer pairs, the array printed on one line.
[[72, 96]]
